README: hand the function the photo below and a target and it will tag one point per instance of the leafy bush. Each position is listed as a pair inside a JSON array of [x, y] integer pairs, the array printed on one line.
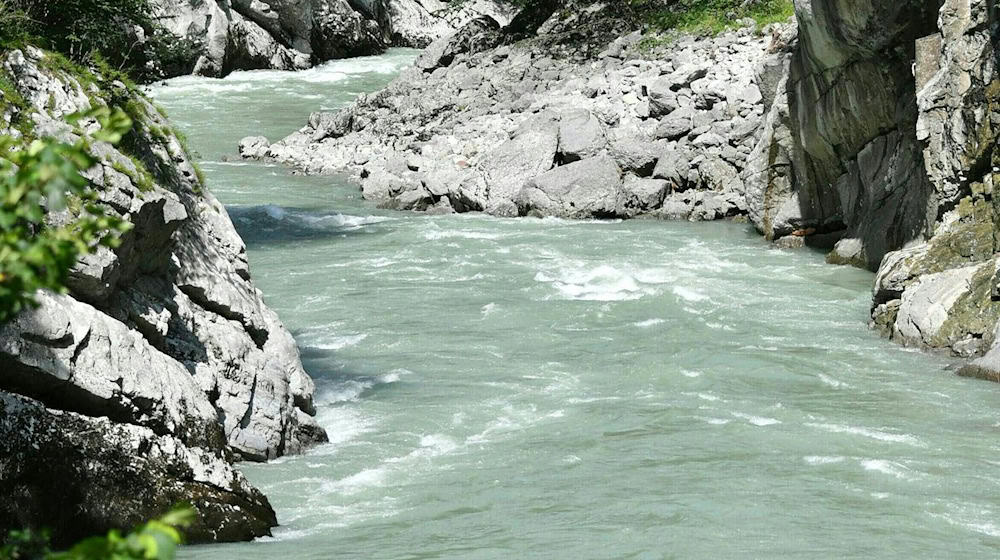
[[154, 540], [38, 178]]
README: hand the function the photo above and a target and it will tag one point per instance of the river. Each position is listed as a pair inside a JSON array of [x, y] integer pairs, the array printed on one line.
[[526, 388]]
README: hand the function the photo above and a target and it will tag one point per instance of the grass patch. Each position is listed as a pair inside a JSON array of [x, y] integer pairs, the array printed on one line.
[[11, 101], [711, 16], [140, 176]]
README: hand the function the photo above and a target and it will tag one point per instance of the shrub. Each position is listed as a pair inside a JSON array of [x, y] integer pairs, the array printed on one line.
[[153, 540]]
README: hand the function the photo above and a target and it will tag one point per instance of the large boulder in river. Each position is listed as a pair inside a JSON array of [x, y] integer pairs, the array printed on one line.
[[529, 153], [587, 188]]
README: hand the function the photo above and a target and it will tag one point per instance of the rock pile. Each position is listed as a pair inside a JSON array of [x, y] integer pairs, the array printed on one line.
[[640, 130]]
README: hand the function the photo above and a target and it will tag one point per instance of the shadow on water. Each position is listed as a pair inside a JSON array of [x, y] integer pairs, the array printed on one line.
[[338, 382], [275, 225]]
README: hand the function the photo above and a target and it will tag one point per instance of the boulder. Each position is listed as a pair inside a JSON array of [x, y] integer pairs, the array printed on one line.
[[587, 188], [640, 196], [528, 154], [254, 147], [111, 474], [580, 136]]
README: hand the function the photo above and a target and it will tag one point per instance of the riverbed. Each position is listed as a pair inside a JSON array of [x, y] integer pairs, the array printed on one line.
[[540, 388]]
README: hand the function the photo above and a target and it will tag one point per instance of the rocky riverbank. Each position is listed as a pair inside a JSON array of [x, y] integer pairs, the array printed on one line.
[[227, 35], [872, 133], [162, 365]]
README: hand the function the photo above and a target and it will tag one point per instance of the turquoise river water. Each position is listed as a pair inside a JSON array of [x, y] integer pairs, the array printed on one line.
[[525, 388]]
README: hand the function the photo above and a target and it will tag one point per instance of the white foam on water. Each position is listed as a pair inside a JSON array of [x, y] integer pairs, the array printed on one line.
[[488, 309], [887, 467], [868, 433], [649, 323], [688, 294], [357, 482], [252, 80], [707, 397], [976, 525], [655, 276], [823, 459], [432, 445], [351, 389], [435, 233], [836, 384], [345, 221], [574, 222], [588, 400], [717, 421], [601, 283], [512, 420], [689, 373], [339, 342], [275, 212], [342, 424], [756, 420]]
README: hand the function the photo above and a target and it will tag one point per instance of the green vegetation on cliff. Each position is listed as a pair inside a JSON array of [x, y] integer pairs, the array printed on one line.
[[125, 34], [711, 16], [48, 215]]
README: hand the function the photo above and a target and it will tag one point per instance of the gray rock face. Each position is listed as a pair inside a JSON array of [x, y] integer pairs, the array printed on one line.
[[855, 162], [418, 23], [165, 337], [884, 125], [588, 188], [469, 127], [294, 34], [80, 475]]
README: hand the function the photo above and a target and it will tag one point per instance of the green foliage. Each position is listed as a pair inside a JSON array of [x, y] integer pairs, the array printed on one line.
[[25, 545], [712, 16], [37, 178], [154, 540], [122, 36], [11, 99]]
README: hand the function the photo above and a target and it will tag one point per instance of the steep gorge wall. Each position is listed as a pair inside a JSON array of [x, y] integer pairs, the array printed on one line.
[[889, 132], [139, 388]]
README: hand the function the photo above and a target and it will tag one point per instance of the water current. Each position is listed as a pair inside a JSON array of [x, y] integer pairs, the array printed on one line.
[[540, 388]]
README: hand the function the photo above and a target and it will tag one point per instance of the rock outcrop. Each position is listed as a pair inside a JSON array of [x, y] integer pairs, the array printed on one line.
[[890, 135], [228, 35], [162, 364]]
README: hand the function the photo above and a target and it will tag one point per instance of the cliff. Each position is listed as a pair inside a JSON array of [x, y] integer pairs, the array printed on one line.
[[867, 129], [162, 365], [229, 35], [890, 135]]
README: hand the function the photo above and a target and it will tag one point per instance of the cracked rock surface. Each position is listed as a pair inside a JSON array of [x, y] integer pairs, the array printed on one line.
[[162, 352]]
